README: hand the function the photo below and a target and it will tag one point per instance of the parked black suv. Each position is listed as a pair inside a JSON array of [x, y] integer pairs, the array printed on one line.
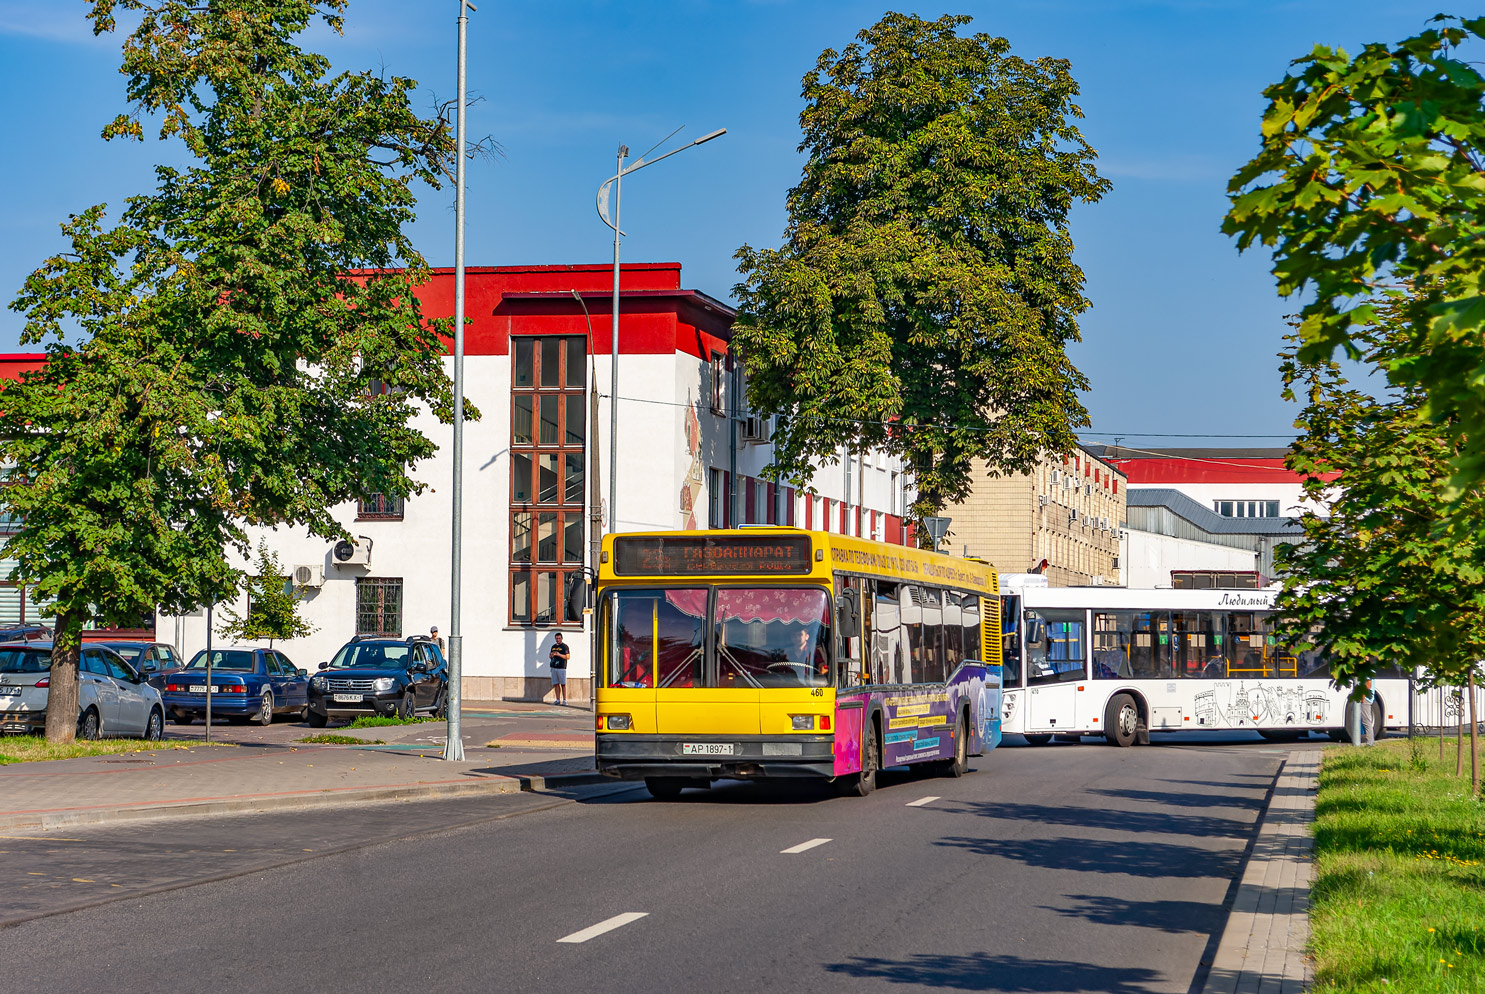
[[384, 676]]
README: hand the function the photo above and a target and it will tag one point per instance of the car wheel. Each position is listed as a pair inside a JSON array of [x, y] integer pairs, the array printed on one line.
[[866, 781], [181, 718], [304, 713], [154, 729], [1121, 721], [88, 726], [317, 719], [265, 709], [1037, 740], [441, 706], [409, 706]]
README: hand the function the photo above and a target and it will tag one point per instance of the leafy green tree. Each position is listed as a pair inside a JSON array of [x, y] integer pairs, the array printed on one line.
[[1369, 182], [925, 292], [1376, 581], [244, 348], [273, 604]]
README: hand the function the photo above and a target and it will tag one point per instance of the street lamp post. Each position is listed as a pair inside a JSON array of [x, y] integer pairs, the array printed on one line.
[[616, 181], [453, 747]]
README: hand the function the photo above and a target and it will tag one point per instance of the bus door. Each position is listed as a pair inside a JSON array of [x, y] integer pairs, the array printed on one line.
[[1056, 666]]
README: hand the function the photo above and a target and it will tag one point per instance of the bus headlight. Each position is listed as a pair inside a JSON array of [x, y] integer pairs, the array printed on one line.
[[803, 722], [618, 722]]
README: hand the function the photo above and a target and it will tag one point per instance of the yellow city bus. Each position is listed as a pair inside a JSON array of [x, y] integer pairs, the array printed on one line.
[[777, 652]]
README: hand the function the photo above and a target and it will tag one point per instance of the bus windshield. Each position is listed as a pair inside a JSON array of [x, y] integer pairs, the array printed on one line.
[[760, 637]]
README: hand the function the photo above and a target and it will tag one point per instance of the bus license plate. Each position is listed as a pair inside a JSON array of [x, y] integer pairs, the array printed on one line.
[[348, 698], [707, 749]]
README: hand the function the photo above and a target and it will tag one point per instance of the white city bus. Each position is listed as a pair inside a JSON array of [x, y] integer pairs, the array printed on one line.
[[1123, 663]]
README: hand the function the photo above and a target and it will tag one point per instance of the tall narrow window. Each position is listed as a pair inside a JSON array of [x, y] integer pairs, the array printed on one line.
[[548, 463]]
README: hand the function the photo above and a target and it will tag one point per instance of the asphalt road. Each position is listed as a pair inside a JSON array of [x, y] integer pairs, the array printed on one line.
[[1060, 869]]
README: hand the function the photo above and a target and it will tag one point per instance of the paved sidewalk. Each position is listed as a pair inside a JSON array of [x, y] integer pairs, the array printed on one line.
[[1262, 950], [525, 752]]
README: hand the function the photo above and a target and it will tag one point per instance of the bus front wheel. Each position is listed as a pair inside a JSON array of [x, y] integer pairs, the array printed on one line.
[[1122, 721], [866, 781]]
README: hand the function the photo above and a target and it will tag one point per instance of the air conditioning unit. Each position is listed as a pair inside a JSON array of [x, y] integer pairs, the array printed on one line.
[[1116, 562], [1067, 483], [1072, 515], [1043, 500], [352, 552], [1087, 490], [309, 576], [1056, 475], [756, 428]]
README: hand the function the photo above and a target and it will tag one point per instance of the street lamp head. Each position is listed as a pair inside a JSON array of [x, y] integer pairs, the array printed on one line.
[[706, 138]]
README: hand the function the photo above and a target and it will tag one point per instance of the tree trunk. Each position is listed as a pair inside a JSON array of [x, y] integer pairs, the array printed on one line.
[[1474, 746], [61, 695]]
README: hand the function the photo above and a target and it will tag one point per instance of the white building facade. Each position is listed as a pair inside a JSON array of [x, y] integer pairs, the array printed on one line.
[[689, 456]]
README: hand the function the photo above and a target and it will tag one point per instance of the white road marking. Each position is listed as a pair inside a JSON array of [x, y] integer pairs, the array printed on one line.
[[803, 846], [608, 925], [922, 801]]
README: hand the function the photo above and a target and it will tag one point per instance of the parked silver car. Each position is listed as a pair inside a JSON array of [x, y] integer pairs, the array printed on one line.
[[112, 698]]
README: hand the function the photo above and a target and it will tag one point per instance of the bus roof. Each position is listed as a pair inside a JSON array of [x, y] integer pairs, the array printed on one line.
[[1135, 599], [781, 553]]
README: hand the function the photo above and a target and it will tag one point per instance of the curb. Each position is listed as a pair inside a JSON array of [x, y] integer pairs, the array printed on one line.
[[1265, 938]]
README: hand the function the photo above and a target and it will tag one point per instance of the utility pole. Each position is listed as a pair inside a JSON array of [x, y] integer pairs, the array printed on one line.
[[453, 748]]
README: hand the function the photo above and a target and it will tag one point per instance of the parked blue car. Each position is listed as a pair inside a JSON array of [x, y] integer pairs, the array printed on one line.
[[247, 685]]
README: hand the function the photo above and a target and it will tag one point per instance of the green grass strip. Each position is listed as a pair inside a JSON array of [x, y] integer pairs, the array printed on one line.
[[1398, 903], [35, 748], [380, 721], [330, 738]]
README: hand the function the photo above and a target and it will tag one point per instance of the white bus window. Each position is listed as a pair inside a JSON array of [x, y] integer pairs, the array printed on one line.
[[1010, 641], [930, 661], [953, 632], [887, 648], [1113, 643], [1057, 656]]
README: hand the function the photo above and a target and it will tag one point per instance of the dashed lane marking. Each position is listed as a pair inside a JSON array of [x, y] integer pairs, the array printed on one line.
[[923, 800], [803, 846], [607, 925]]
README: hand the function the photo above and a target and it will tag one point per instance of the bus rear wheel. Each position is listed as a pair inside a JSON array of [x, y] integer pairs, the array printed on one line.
[[959, 765], [1122, 721], [667, 788]]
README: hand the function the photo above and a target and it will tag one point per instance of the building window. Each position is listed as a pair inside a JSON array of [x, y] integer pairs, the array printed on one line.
[[716, 499], [379, 507], [379, 605], [1246, 508], [719, 378], [548, 462]]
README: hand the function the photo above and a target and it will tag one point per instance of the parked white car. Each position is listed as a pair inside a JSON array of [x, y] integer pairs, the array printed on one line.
[[112, 698]]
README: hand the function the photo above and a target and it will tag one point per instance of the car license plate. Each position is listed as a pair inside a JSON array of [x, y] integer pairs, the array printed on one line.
[[197, 688], [10, 691], [348, 698], [707, 748]]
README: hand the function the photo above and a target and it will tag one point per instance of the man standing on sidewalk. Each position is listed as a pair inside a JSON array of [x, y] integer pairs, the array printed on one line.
[[557, 660]]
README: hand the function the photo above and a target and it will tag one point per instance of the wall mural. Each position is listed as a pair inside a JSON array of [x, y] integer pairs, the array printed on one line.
[[695, 480], [1231, 705]]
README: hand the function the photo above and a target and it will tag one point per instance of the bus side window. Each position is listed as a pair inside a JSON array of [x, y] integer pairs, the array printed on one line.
[[1010, 640], [886, 633], [848, 639]]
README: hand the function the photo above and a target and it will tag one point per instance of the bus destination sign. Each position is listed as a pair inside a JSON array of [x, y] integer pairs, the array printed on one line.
[[660, 555]]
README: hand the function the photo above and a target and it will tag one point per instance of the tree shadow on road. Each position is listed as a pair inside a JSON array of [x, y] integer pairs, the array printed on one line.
[[1010, 974], [1103, 819], [1177, 917], [1179, 799], [1139, 859]]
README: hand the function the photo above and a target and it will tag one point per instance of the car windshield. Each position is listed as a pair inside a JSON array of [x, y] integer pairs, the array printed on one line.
[[240, 660], [25, 660], [372, 655]]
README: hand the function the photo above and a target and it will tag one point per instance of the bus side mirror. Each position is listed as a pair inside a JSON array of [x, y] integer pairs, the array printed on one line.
[[577, 597], [848, 612]]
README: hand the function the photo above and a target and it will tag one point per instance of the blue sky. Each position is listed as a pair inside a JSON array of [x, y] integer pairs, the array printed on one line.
[[1182, 333]]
